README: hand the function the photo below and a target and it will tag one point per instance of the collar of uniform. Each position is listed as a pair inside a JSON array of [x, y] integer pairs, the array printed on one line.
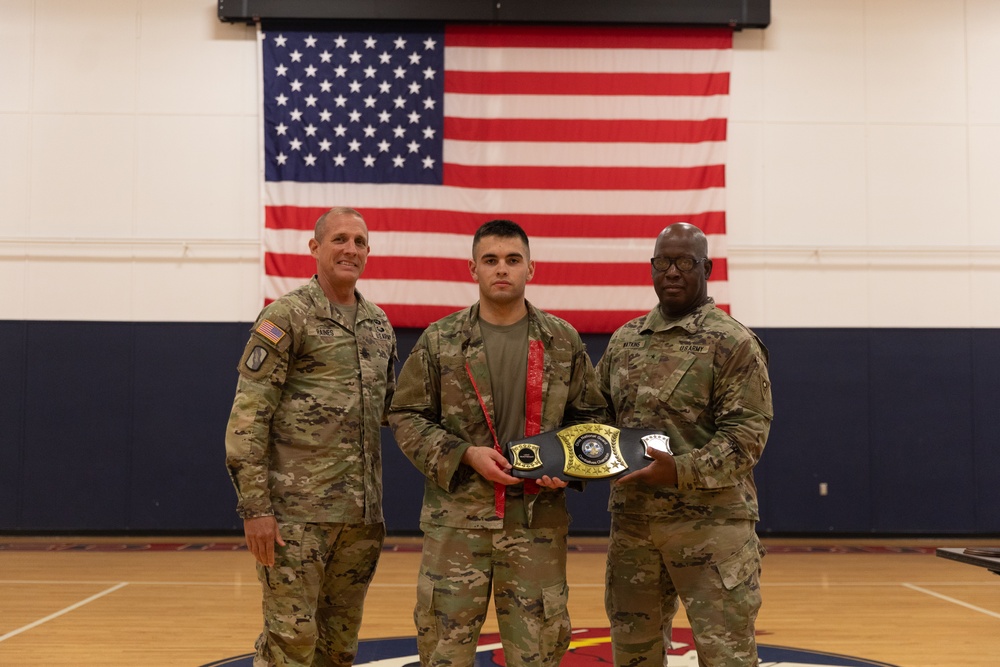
[[474, 334], [691, 322], [319, 297], [543, 327]]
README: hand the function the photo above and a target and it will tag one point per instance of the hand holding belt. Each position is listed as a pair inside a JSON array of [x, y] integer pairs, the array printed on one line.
[[584, 451]]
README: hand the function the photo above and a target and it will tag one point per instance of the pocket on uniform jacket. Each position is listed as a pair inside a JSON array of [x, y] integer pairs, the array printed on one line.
[[414, 388], [555, 599], [693, 400], [757, 390], [739, 567]]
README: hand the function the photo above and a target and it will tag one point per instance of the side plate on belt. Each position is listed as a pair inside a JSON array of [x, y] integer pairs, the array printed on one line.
[[526, 456]]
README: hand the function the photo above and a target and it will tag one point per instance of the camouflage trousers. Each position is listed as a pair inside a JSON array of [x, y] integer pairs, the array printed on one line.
[[526, 570], [713, 568], [315, 592]]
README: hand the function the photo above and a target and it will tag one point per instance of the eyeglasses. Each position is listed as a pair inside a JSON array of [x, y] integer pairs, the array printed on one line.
[[684, 264]]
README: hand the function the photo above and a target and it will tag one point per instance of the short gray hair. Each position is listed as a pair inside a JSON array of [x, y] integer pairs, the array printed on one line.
[[336, 210]]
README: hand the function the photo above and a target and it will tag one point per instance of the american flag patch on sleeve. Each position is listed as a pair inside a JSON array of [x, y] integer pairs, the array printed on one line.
[[270, 331]]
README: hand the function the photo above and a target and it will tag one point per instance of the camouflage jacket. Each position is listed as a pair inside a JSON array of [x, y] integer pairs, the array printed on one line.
[[436, 414], [303, 440], [703, 380]]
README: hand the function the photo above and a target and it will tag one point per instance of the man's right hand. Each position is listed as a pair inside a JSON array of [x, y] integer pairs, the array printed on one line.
[[262, 534], [489, 463]]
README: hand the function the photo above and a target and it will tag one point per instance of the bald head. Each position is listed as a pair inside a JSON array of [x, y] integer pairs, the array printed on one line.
[[680, 291], [688, 233]]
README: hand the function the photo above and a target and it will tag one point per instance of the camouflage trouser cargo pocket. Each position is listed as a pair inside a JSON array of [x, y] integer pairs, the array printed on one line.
[[425, 593], [424, 617], [553, 633], [554, 599], [735, 569], [290, 626], [739, 574]]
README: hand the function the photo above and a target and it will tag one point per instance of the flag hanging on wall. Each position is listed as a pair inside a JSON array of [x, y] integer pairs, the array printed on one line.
[[593, 139]]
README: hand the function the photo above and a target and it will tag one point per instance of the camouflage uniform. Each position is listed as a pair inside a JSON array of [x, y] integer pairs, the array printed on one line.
[[436, 415], [702, 379], [303, 444]]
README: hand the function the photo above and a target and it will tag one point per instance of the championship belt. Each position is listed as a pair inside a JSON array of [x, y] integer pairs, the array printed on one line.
[[585, 451]]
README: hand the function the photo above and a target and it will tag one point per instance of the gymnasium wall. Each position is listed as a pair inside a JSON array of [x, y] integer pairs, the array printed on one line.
[[863, 236], [119, 427]]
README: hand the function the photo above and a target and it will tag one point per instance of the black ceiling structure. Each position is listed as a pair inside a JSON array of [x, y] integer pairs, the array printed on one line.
[[736, 14]]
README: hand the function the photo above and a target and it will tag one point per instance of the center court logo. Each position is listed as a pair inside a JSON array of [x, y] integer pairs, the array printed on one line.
[[588, 648]]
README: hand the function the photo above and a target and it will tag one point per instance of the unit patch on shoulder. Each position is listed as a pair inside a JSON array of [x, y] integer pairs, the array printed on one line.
[[270, 331], [256, 358]]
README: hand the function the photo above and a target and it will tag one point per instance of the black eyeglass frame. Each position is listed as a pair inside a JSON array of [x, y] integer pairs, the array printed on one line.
[[675, 261]]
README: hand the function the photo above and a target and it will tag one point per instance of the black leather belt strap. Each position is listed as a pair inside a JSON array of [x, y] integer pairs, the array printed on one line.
[[584, 451]]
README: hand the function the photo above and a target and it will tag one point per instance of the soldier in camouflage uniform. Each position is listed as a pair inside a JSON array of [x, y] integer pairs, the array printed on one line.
[[683, 528], [303, 451], [494, 372]]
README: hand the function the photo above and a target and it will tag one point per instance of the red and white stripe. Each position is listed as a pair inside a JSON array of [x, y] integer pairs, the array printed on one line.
[[592, 139]]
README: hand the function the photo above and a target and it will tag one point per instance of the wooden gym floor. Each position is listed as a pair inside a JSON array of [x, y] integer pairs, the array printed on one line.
[[192, 601]]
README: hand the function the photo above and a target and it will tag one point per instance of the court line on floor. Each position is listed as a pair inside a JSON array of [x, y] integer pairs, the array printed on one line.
[[952, 600], [77, 605], [862, 584], [254, 583], [101, 582], [91, 582]]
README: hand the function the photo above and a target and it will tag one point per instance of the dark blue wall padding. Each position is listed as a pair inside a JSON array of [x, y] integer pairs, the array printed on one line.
[[12, 416], [922, 448], [123, 426], [985, 430], [75, 462], [820, 433], [119, 427], [177, 451]]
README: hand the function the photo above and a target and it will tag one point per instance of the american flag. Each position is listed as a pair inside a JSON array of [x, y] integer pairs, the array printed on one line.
[[591, 138]]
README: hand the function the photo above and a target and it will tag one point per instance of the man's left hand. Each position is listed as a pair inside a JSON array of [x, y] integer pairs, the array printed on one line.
[[551, 482], [661, 472]]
